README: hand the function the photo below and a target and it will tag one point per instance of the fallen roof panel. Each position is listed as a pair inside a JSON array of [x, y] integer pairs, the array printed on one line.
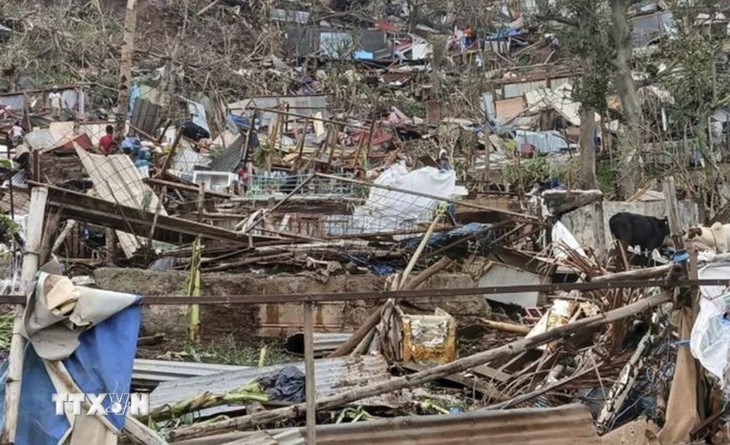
[[156, 371], [535, 426], [331, 375]]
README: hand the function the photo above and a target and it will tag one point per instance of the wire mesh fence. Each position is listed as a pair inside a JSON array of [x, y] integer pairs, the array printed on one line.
[[348, 208]]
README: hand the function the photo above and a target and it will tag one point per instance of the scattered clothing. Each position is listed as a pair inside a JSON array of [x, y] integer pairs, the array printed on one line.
[[142, 163], [286, 385], [132, 146]]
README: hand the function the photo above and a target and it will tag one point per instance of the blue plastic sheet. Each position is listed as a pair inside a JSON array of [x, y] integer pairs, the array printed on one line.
[[443, 238], [101, 364]]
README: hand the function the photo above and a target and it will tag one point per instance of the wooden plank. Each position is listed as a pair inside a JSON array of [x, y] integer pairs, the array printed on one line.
[[85, 208], [471, 383], [491, 373]]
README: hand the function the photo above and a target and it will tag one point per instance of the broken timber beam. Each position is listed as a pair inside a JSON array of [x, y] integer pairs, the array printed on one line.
[[80, 207], [422, 377]]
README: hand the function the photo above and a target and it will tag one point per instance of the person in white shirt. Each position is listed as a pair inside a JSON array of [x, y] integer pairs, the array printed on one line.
[[16, 134], [54, 99]]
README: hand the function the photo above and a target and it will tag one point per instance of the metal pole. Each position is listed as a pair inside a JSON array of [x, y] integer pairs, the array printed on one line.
[[309, 389]]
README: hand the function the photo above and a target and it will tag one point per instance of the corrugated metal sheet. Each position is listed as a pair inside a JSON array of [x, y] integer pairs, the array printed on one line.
[[186, 159], [511, 90], [323, 342], [304, 105], [40, 139], [156, 371], [335, 45], [535, 426], [197, 113], [646, 28], [229, 158], [145, 115], [331, 375], [372, 40], [283, 15], [502, 274], [257, 438], [117, 180]]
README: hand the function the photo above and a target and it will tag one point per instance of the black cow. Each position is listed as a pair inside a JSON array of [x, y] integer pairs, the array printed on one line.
[[631, 229]]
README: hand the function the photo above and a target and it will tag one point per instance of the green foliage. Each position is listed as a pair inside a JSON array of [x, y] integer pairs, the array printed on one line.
[[8, 228], [587, 38], [532, 171], [228, 350], [694, 83], [606, 177]]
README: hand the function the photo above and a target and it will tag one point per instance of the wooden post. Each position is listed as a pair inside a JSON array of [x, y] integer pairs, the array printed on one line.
[[670, 197], [34, 232], [599, 228], [201, 202], [374, 317], [309, 382], [170, 155]]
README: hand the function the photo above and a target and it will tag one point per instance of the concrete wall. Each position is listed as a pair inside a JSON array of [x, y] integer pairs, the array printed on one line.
[[271, 320], [580, 221]]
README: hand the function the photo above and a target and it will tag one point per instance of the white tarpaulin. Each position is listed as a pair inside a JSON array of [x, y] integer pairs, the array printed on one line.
[[561, 235], [710, 338], [389, 211]]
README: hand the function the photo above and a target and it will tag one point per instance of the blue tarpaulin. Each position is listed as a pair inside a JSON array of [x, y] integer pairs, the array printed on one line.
[[134, 93], [441, 239], [504, 33], [239, 121], [102, 363]]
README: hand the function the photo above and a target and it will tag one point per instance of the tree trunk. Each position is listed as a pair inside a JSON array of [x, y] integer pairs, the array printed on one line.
[[587, 148], [630, 141], [125, 68]]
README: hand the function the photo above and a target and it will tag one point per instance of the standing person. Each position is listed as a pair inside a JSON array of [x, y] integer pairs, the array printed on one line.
[[106, 143], [54, 99], [468, 37], [16, 134], [443, 160]]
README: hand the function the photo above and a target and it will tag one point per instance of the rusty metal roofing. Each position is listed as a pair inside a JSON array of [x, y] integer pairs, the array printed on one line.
[[331, 375], [534, 426]]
